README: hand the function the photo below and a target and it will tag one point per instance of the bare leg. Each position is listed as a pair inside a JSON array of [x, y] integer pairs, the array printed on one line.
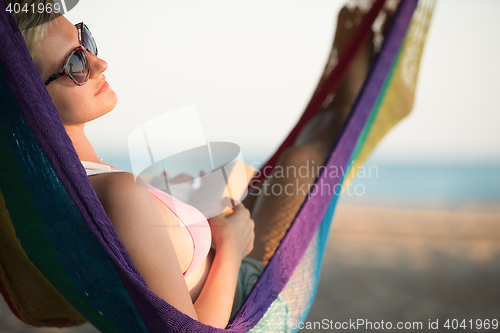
[[275, 203], [339, 104]]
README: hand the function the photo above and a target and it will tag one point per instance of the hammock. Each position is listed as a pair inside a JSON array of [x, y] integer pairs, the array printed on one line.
[[61, 262]]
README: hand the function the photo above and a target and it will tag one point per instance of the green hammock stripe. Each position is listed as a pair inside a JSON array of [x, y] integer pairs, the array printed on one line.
[[376, 108], [35, 238]]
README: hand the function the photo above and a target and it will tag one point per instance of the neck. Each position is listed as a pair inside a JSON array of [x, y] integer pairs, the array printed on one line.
[[82, 145]]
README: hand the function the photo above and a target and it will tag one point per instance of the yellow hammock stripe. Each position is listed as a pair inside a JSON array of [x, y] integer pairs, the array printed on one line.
[[399, 96], [36, 301]]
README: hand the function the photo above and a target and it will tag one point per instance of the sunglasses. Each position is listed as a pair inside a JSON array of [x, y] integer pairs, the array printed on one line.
[[77, 65]]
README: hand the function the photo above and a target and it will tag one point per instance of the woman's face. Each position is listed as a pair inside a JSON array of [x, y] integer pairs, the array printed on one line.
[[76, 104]]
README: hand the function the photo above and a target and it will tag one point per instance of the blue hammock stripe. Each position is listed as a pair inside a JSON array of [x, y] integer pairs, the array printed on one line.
[[321, 235]]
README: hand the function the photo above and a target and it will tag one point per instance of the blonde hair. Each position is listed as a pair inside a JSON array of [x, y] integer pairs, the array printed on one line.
[[33, 25]]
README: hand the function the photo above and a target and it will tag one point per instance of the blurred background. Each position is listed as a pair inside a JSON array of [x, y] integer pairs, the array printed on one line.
[[423, 240]]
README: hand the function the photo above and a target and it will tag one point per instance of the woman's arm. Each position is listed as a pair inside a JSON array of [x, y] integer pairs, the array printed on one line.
[[140, 227], [233, 237]]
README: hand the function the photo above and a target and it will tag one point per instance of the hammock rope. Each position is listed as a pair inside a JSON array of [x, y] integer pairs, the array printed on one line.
[[56, 228]]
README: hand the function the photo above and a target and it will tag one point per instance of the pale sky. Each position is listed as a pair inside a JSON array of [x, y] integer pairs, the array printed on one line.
[[250, 69]]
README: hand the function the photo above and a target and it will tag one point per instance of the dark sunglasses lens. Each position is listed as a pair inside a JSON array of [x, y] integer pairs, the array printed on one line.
[[88, 41], [78, 67]]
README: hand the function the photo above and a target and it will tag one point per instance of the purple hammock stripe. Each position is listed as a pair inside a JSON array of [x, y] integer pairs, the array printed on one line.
[[158, 315], [296, 241]]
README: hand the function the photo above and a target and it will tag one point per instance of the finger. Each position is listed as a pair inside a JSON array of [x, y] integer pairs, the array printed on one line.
[[215, 219], [239, 206]]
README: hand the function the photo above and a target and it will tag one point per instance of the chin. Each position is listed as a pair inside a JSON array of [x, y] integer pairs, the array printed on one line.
[[105, 105], [113, 97], [111, 100]]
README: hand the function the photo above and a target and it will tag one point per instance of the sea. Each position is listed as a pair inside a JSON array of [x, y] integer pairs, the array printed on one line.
[[409, 183], [441, 183]]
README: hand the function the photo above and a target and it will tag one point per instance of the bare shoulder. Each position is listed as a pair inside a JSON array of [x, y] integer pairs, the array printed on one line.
[[132, 211], [109, 183], [117, 184], [120, 195]]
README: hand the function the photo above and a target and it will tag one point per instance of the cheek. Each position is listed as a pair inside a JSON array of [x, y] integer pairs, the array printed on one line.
[[70, 104], [78, 105]]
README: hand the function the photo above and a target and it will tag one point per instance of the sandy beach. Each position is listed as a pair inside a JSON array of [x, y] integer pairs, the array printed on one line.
[[396, 264], [411, 265]]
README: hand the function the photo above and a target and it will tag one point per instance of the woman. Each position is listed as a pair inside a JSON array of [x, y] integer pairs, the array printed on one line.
[[163, 256]]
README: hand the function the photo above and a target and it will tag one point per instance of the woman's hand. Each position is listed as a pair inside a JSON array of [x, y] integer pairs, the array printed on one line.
[[234, 232]]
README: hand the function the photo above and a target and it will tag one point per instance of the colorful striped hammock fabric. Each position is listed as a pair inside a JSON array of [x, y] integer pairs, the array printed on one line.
[[61, 262]]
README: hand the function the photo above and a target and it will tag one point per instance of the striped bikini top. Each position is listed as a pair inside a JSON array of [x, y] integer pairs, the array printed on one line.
[[194, 221]]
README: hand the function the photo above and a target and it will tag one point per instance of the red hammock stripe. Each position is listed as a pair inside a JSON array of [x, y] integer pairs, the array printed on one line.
[[331, 84]]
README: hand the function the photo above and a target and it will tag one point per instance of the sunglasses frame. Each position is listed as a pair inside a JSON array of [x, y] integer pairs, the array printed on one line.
[[79, 26]]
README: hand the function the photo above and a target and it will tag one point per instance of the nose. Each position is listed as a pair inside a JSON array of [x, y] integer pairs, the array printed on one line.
[[97, 65]]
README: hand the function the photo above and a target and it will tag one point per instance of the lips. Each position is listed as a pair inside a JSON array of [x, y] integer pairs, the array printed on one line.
[[104, 86]]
